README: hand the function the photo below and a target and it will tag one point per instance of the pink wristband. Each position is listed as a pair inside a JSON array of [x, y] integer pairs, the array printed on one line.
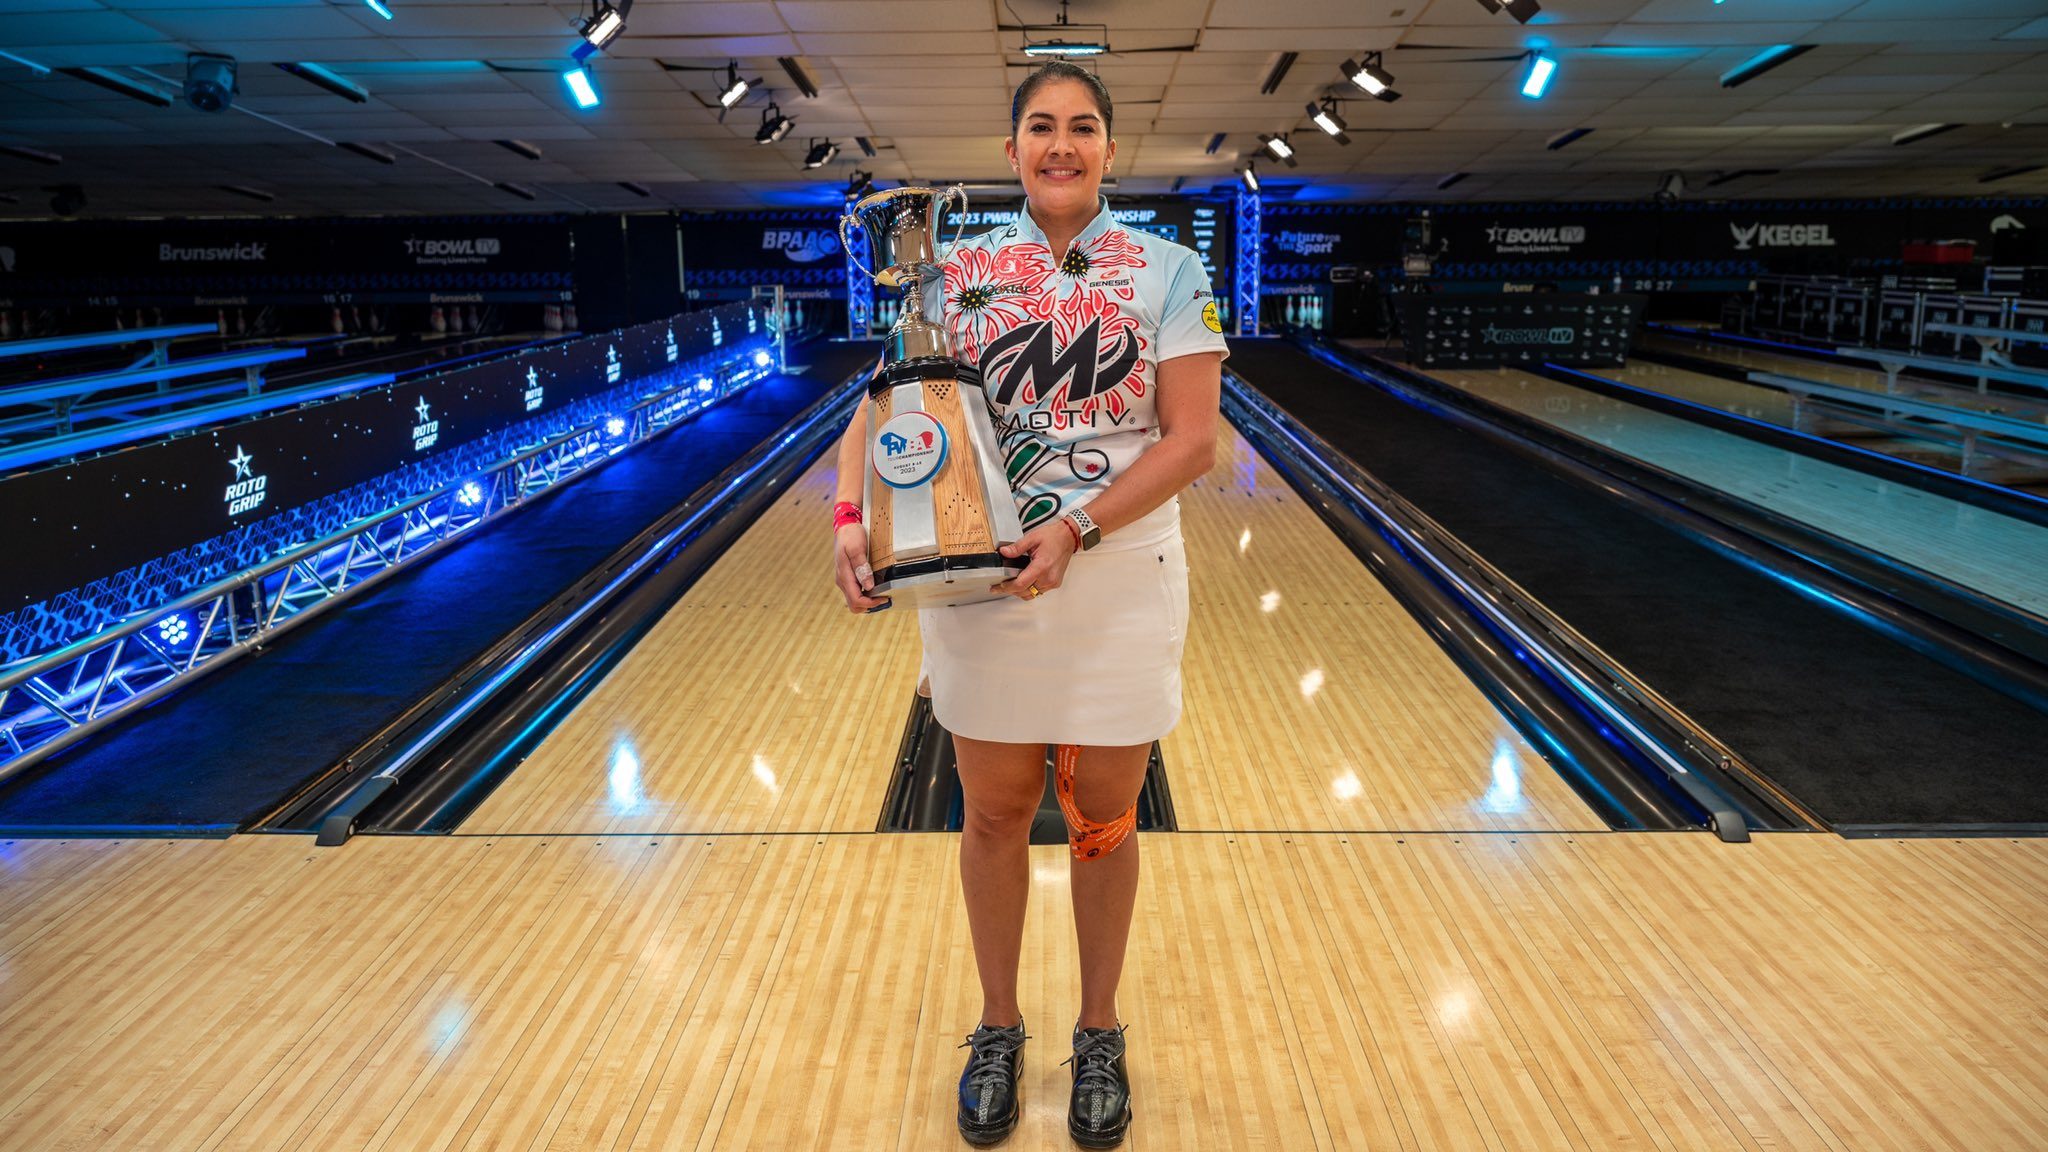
[[843, 513]]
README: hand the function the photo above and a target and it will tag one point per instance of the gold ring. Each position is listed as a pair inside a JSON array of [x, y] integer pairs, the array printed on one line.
[[1035, 593]]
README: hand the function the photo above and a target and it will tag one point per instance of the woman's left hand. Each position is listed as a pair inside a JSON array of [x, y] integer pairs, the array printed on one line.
[[1050, 546]]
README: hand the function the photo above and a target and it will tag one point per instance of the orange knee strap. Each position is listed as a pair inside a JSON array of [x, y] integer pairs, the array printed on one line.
[[1087, 839]]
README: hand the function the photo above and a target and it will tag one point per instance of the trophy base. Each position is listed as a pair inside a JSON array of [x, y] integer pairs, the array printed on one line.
[[945, 581]]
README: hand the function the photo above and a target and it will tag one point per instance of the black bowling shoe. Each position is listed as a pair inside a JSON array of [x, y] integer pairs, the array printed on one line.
[[989, 1106], [1100, 1112]]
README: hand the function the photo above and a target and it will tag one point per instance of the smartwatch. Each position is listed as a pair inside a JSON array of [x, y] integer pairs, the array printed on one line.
[[1090, 534]]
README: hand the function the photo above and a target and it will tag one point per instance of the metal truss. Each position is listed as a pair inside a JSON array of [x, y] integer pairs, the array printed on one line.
[[55, 700], [859, 285], [1247, 280]]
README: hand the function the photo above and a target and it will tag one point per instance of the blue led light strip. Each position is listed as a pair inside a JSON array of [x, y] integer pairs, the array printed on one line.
[[57, 699]]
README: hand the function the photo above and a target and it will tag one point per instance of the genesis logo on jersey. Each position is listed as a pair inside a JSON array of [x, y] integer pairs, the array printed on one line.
[[801, 245], [1781, 236], [909, 449]]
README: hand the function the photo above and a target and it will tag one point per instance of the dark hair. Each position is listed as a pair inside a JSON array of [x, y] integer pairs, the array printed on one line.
[[1059, 70]]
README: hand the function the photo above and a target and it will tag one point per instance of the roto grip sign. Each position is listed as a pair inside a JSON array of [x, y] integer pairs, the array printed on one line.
[[909, 449]]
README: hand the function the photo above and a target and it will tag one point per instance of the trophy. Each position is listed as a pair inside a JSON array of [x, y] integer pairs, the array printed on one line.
[[938, 504]]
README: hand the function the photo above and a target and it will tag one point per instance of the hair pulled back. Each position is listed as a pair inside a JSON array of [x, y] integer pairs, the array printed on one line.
[[1056, 70]]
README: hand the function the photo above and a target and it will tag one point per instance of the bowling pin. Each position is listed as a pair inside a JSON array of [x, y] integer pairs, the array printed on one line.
[[335, 322], [569, 318], [437, 321], [220, 321]]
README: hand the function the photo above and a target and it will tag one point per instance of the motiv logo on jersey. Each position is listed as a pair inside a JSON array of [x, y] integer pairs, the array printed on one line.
[[1780, 236]]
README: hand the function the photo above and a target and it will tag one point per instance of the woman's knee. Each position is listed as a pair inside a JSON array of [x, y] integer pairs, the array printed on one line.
[[1001, 785]]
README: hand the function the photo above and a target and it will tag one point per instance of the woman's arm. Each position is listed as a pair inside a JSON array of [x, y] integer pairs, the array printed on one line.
[[1190, 397]]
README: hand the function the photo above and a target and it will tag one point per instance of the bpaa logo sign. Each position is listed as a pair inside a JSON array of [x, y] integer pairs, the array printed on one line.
[[1556, 238], [1781, 236], [801, 245]]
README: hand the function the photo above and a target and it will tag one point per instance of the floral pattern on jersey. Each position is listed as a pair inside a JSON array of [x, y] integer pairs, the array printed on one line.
[[993, 291], [1103, 258]]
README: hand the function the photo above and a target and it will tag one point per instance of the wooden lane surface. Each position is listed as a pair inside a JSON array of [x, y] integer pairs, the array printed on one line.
[[1333, 991], [1312, 699]]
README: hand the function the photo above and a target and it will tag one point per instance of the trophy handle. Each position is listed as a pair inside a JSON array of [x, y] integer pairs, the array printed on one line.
[[843, 222], [956, 192]]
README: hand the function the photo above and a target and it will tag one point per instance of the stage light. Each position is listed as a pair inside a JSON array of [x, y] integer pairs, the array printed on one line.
[[469, 495], [1249, 174], [581, 87], [1374, 80], [735, 89], [797, 76], [1279, 149], [774, 125], [173, 630], [615, 426], [115, 82], [35, 155], [1565, 137], [604, 25], [821, 154], [367, 152], [1909, 135], [1537, 82], [378, 7], [315, 74], [1762, 62], [1326, 117], [1063, 48], [762, 359], [859, 184], [1277, 73], [1670, 186]]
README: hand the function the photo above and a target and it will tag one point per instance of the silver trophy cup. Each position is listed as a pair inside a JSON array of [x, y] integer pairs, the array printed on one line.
[[938, 504]]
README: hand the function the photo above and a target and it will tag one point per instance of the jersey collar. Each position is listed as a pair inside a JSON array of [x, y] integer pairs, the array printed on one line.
[[1029, 231]]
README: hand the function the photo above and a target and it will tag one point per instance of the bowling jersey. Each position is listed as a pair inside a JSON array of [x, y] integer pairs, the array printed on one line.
[[1069, 347]]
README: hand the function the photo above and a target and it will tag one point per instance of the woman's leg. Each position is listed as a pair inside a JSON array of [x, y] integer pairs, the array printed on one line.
[[1106, 783], [1003, 784]]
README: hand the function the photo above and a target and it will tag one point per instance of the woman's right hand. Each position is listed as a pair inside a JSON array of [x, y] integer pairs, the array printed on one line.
[[850, 569]]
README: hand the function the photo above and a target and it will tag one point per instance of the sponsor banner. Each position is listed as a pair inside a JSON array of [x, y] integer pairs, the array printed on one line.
[[1481, 331], [130, 507], [277, 261]]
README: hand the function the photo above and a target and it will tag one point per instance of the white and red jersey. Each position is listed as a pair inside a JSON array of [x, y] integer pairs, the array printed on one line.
[[1069, 348]]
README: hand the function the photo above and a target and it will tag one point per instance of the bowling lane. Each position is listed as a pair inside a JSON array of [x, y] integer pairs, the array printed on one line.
[[1997, 555], [1313, 700]]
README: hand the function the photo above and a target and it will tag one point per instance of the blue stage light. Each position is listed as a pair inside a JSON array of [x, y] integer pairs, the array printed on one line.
[[378, 7], [703, 383], [470, 495], [1541, 69], [173, 630], [615, 426], [580, 87], [762, 359]]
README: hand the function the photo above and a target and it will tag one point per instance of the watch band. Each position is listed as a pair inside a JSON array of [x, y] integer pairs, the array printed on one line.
[[1090, 534]]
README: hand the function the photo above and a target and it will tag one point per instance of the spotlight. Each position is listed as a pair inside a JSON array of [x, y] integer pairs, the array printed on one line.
[[173, 630], [69, 199], [735, 88], [1326, 118], [1762, 62], [821, 153], [1279, 149], [615, 426], [859, 184], [581, 87], [315, 74], [1376, 81], [1537, 82], [762, 359], [469, 494], [210, 81], [774, 125], [1249, 174], [1521, 10], [604, 25], [1909, 135], [1670, 187]]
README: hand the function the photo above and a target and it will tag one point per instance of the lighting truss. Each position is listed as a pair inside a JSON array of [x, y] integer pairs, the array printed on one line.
[[1246, 283], [50, 702]]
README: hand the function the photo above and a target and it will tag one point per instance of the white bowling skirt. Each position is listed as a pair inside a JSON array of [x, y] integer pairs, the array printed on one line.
[[1094, 661]]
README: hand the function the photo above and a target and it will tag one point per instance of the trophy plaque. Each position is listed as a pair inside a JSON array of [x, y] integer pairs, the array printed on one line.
[[938, 504]]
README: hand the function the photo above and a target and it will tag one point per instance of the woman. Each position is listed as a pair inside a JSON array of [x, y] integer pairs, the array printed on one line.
[[1101, 355]]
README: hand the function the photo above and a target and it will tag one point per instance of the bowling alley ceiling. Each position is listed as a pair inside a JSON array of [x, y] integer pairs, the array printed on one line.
[[927, 83]]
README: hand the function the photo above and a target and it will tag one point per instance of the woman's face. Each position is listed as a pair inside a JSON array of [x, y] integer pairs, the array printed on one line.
[[1062, 149]]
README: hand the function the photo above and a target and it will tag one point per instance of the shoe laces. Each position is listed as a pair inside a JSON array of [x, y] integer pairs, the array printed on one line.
[[1096, 1051], [993, 1048]]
